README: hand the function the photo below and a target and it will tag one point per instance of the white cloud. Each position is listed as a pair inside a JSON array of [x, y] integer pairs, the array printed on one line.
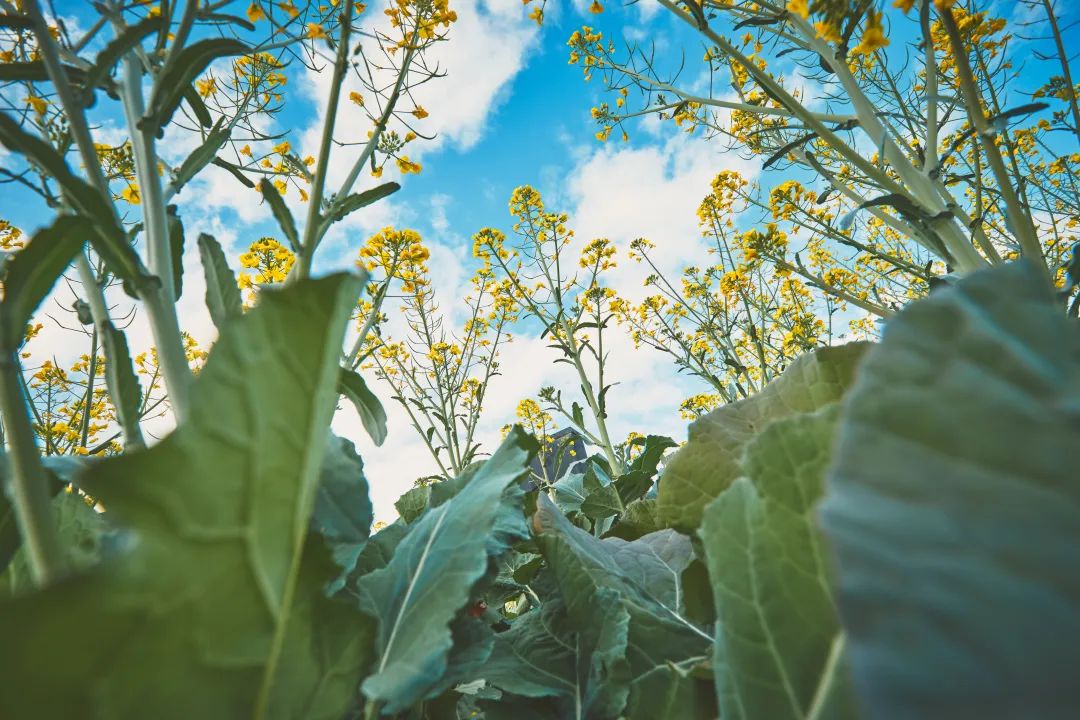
[[488, 47], [616, 192], [623, 193]]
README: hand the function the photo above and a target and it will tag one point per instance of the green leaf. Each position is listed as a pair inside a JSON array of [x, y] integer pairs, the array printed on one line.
[[585, 478], [673, 691], [603, 502], [30, 275], [371, 411], [121, 380], [640, 582], [176, 249], [570, 492], [653, 451], [193, 621], [233, 170], [639, 518], [351, 203], [544, 655], [655, 562], [327, 654], [62, 470], [127, 40], [201, 156], [511, 707], [281, 213], [412, 503], [430, 578], [81, 531], [709, 462], [379, 549], [178, 75], [343, 511], [953, 505], [633, 485], [222, 293], [778, 640]]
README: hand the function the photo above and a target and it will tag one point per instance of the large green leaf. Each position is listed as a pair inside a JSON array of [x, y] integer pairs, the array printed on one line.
[[193, 622], [779, 650], [614, 586], [954, 506], [431, 576], [328, 652], [544, 655], [709, 462]]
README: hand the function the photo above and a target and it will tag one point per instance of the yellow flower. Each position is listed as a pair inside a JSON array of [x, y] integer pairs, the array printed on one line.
[[537, 15], [406, 166], [289, 8], [315, 31], [357, 98], [255, 12], [206, 86], [246, 150], [420, 112], [39, 104], [799, 7], [596, 8], [131, 194], [283, 147], [282, 188], [904, 5], [377, 172], [827, 31], [873, 37]]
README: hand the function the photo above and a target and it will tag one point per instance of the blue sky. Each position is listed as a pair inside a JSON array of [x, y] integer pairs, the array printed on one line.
[[511, 111]]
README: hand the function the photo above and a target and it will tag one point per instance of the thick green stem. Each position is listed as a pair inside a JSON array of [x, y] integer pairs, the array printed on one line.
[[594, 407], [1018, 217], [29, 481], [160, 302]]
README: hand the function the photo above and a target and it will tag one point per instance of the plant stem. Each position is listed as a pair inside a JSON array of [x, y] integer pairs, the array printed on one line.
[[590, 397], [29, 481], [162, 314], [88, 402], [160, 302], [318, 187], [1066, 72], [1017, 215]]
